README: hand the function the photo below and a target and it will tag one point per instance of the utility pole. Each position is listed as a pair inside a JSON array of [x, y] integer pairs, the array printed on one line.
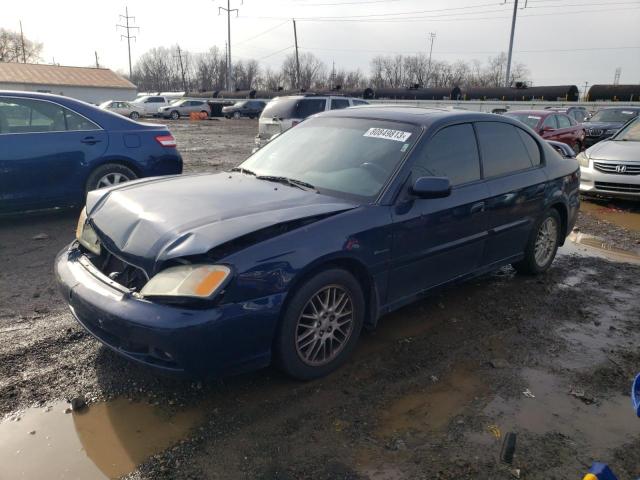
[[97, 63], [24, 55], [128, 36], [295, 38], [184, 82], [513, 31], [229, 10], [432, 37], [585, 95], [616, 77]]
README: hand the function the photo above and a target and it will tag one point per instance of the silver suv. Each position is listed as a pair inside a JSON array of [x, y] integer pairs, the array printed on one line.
[[282, 113]]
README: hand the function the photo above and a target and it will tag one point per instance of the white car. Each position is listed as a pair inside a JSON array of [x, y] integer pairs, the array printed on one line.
[[611, 167], [149, 104], [282, 113], [123, 108]]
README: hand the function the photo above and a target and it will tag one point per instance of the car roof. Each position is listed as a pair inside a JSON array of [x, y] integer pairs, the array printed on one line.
[[537, 113], [424, 117], [311, 96], [635, 109]]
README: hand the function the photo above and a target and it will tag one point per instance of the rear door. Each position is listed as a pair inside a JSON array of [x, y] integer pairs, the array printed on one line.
[[339, 103], [566, 132], [437, 240], [516, 182], [549, 127], [309, 106], [45, 150]]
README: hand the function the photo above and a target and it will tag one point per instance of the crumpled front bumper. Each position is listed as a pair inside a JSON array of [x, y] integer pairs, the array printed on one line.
[[225, 339]]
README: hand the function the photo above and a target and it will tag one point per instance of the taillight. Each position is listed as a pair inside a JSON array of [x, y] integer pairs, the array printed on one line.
[[166, 140]]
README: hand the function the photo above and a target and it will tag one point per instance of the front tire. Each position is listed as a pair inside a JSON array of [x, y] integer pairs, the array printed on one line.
[[542, 245], [109, 175], [134, 115], [321, 325], [174, 115], [237, 115]]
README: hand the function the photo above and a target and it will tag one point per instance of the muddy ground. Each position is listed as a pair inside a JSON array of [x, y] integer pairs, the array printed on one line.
[[430, 394]]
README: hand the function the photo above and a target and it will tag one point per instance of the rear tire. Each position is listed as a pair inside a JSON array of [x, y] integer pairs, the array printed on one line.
[[134, 115], [542, 245], [109, 175], [321, 325]]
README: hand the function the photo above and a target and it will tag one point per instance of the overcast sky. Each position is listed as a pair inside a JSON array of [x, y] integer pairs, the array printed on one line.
[[560, 41]]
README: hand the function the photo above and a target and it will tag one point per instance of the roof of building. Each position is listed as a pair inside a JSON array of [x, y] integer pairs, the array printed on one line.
[[37, 74]]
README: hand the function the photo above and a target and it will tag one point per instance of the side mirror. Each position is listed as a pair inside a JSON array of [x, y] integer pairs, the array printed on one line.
[[431, 187]]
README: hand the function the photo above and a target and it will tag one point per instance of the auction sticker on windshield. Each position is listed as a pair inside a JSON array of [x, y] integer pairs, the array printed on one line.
[[387, 133]]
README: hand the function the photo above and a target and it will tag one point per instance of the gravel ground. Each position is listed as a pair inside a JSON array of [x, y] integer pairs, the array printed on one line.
[[430, 394]]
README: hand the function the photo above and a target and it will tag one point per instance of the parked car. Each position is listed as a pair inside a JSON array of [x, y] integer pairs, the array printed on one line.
[[579, 114], [54, 149], [184, 108], [123, 108], [282, 113], [350, 215], [244, 108], [611, 168], [552, 125], [606, 122], [149, 104]]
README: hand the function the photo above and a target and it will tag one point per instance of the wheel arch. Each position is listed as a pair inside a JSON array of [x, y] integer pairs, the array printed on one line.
[[563, 212], [124, 161], [356, 268]]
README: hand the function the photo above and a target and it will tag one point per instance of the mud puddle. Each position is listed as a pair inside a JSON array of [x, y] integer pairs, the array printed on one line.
[[596, 424], [589, 245], [619, 213], [105, 440]]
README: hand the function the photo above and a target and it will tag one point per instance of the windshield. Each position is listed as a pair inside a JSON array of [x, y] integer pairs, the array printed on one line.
[[140, 100], [526, 118], [240, 104], [340, 156], [105, 104], [613, 115], [630, 133]]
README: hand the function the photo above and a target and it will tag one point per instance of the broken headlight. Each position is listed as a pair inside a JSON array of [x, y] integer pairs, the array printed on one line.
[[86, 235], [196, 281]]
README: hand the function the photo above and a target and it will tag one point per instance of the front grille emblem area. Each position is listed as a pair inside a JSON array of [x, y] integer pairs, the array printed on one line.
[[621, 168]]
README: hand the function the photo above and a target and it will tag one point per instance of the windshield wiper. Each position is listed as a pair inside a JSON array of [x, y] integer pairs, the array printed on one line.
[[243, 170], [289, 181]]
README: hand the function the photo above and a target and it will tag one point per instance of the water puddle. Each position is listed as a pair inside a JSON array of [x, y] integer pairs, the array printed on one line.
[[432, 409], [600, 425], [628, 218], [588, 245], [106, 440]]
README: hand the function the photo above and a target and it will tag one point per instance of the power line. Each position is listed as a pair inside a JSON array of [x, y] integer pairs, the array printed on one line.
[[467, 52], [275, 53], [261, 33], [128, 36]]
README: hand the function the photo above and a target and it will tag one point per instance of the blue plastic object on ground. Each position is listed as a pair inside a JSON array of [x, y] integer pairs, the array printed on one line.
[[600, 471], [635, 395]]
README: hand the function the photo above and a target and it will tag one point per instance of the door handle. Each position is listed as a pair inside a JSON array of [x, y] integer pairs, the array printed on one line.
[[90, 140], [477, 207]]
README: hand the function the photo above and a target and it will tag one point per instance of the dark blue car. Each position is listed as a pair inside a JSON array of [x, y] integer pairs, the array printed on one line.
[[54, 149], [346, 217]]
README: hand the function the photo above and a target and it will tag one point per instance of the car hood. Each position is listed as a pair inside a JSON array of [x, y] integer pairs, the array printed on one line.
[[602, 125], [615, 151], [149, 221]]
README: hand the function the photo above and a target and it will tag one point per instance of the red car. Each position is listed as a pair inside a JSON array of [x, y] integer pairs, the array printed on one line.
[[553, 126]]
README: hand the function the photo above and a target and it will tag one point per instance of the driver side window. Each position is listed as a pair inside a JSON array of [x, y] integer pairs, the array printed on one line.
[[451, 153]]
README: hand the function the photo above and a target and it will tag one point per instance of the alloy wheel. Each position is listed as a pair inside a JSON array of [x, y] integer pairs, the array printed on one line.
[[111, 179], [546, 241], [324, 326]]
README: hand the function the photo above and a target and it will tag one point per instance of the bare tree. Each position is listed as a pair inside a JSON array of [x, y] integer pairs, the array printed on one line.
[[11, 48], [312, 71]]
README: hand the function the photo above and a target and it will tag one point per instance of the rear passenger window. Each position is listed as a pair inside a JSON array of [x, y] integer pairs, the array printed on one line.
[[309, 106], [532, 147], [550, 121], [22, 115], [451, 153], [339, 103], [563, 122], [503, 149]]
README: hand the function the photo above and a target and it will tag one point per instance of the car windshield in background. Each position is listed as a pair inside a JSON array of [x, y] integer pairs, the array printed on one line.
[[630, 133], [616, 115], [339, 156], [526, 118]]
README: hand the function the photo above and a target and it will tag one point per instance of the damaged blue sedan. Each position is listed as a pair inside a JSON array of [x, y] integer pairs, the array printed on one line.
[[286, 258]]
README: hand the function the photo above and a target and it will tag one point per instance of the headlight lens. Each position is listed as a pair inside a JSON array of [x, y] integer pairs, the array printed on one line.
[[583, 160], [197, 281], [86, 235]]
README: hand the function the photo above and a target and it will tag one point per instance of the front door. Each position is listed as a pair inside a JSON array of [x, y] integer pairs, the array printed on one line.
[[437, 240]]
